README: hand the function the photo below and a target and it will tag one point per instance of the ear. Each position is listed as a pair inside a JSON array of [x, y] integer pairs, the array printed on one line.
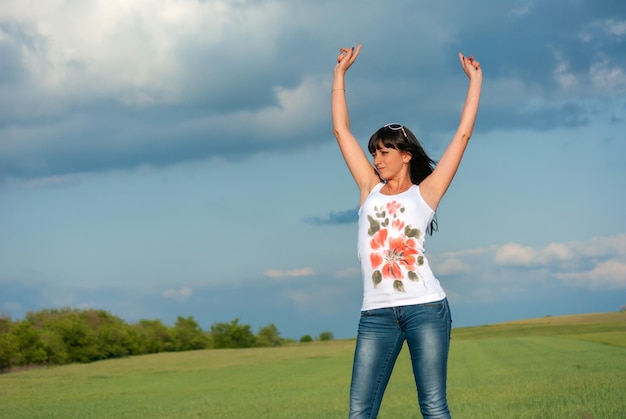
[[406, 157]]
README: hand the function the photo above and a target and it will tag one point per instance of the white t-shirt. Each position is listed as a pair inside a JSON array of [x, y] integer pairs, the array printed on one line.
[[391, 250]]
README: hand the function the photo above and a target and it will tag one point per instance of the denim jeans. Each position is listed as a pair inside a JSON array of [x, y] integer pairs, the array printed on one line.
[[381, 334]]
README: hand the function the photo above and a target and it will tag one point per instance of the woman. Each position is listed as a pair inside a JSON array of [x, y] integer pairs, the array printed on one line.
[[402, 299]]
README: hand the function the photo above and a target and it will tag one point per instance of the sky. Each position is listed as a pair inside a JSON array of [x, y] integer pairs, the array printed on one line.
[[165, 158]]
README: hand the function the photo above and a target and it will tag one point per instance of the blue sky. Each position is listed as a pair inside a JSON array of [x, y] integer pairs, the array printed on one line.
[[175, 157]]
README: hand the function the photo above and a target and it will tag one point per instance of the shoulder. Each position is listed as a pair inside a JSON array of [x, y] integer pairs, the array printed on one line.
[[368, 190], [421, 198], [429, 193]]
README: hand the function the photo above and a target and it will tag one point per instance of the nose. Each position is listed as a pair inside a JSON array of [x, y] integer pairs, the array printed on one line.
[[376, 158]]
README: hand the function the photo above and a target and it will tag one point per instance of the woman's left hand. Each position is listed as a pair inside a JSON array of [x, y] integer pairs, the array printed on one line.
[[346, 58]]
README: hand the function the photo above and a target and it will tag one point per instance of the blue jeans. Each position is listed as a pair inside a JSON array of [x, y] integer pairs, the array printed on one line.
[[382, 332]]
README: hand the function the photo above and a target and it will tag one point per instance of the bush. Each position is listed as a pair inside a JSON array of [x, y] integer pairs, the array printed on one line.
[[327, 335], [66, 335], [232, 335], [188, 335], [153, 337], [9, 353], [269, 336]]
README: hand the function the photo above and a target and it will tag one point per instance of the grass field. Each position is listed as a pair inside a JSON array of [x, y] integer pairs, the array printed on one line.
[[555, 367]]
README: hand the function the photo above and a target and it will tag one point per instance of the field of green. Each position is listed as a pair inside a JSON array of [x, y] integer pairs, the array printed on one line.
[[554, 367]]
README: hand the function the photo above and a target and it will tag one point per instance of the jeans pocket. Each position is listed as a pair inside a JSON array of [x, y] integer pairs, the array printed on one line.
[[438, 308], [435, 304]]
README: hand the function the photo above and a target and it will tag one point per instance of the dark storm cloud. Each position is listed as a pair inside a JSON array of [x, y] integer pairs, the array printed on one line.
[[333, 218], [116, 138], [541, 61]]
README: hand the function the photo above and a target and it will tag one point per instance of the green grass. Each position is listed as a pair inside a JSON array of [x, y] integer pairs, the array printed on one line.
[[572, 367]]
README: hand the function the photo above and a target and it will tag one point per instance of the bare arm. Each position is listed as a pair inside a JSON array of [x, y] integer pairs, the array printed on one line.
[[436, 184], [360, 167]]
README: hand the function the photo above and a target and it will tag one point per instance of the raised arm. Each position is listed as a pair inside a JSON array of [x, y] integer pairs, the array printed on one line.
[[360, 167], [436, 184]]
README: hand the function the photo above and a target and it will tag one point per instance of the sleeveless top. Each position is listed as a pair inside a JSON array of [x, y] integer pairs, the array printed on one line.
[[390, 244]]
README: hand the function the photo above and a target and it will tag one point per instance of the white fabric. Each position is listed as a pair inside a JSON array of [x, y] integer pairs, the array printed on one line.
[[391, 235]]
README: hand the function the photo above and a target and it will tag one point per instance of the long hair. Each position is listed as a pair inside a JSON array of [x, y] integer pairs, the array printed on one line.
[[401, 138]]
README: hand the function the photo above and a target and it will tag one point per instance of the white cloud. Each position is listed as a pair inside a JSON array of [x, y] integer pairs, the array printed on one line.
[[181, 294], [596, 263], [513, 254], [554, 252], [562, 73], [294, 273], [486, 274], [601, 28], [130, 51], [297, 108], [609, 274], [452, 266], [607, 77], [614, 27]]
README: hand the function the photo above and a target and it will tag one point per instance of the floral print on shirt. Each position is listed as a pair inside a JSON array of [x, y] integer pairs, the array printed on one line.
[[394, 254]]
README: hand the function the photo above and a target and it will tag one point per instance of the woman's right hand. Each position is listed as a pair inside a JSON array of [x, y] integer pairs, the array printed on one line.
[[346, 58], [470, 66]]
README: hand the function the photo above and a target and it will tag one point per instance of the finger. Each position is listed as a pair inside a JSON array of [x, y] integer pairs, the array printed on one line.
[[343, 52], [350, 53]]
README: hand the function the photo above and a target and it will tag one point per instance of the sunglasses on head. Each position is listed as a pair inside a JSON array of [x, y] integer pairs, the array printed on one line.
[[396, 127]]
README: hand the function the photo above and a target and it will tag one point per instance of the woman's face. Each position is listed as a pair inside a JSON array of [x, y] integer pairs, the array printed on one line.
[[389, 162]]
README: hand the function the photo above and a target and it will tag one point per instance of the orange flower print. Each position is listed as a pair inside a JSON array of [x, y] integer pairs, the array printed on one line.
[[399, 253], [379, 239], [376, 260], [392, 270], [393, 207], [394, 253], [397, 224]]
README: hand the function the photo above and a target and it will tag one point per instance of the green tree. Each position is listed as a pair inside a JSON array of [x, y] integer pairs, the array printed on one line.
[[306, 338], [81, 340], [76, 338], [75, 335], [31, 349], [269, 336], [55, 347], [326, 335], [115, 337], [188, 335], [153, 337], [232, 335], [9, 355]]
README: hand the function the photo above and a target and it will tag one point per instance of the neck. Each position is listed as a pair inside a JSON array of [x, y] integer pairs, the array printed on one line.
[[398, 185]]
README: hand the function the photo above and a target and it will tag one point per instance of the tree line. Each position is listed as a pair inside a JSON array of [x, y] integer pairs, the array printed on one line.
[[68, 335]]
